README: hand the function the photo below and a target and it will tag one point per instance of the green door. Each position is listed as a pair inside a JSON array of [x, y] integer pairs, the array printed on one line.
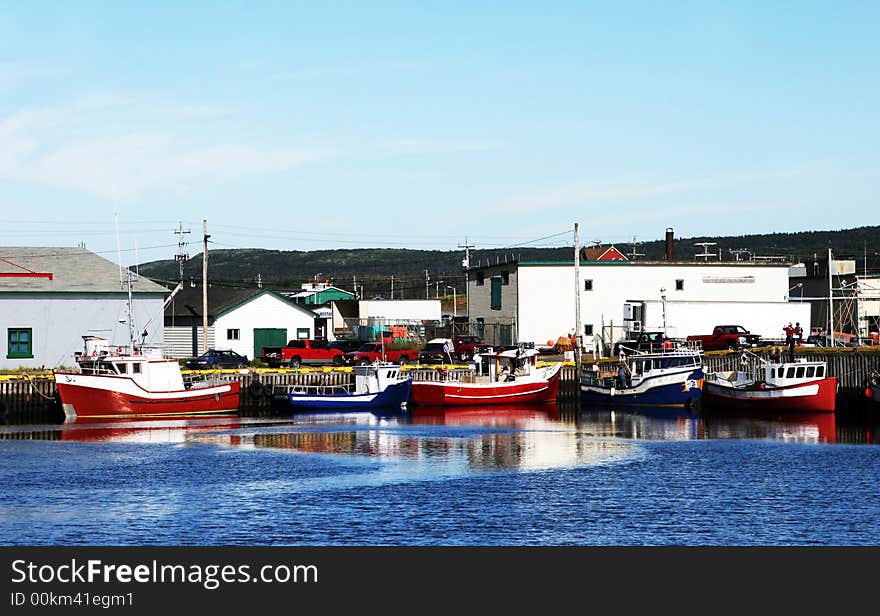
[[268, 337]]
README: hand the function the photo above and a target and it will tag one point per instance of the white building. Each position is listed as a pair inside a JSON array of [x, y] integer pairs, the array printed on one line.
[[51, 297], [869, 306], [535, 301], [400, 310], [241, 320]]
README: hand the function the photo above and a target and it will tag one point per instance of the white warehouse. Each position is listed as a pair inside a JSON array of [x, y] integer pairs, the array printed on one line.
[[51, 297], [536, 299]]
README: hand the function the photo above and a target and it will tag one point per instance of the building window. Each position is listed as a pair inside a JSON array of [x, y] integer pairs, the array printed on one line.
[[588, 330], [496, 293], [679, 285], [481, 327], [302, 333], [479, 279], [233, 334], [19, 344], [588, 285], [505, 278]]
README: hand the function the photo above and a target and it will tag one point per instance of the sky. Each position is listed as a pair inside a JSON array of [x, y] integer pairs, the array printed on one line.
[[315, 125]]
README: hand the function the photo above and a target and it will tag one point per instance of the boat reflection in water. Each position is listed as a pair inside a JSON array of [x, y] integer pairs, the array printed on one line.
[[180, 429], [449, 441], [670, 424]]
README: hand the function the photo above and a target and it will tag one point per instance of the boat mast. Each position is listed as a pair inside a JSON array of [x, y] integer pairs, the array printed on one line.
[[205, 287], [577, 302], [132, 336]]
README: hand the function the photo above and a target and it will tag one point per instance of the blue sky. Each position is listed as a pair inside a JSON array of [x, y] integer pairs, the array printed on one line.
[[300, 126]]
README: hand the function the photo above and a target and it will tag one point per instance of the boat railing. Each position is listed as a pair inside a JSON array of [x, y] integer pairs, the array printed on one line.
[[320, 389], [200, 381]]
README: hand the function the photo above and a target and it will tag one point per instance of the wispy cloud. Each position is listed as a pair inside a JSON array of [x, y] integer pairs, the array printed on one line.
[[598, 192], [123, 147], [117, 146]]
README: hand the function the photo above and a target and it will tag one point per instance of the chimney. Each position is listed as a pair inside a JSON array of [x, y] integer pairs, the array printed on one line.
[[669, 255]]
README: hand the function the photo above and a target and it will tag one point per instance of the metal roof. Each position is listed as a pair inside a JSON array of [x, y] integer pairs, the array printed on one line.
[[73, 270]]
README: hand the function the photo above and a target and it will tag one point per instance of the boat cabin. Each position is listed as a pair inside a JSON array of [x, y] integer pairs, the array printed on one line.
[[375, 378], [775, 374], [147, 369], [801, 371], [507, 365]]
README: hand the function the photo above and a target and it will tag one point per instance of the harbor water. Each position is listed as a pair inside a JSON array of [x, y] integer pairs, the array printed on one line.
[[541, 475]]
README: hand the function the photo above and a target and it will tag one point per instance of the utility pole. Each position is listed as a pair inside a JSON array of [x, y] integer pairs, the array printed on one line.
[[205, 285], [181, 255], [392, 286], [577, 305], [830, 300], [427, 280], [466, 263], [354, 284]]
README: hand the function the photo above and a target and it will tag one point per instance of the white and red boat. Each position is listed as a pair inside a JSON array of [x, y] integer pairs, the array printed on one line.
[[128, 382], [801, 386], [513, 377]]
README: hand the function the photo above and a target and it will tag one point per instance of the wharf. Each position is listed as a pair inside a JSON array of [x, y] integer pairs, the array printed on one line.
[[31, 397]]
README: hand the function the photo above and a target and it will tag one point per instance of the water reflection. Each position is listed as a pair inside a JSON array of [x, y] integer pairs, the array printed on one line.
[[122, 430], [666, 424], [488, 438]]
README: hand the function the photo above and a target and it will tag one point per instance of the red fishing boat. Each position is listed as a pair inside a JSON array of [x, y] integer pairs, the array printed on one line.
[[801, 386], [513, 377], [127, 382]]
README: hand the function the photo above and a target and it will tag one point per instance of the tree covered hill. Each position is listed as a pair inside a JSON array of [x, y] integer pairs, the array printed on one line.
[[373, 268]]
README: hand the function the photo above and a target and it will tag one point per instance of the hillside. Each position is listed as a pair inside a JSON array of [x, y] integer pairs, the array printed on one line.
[[373, 268]]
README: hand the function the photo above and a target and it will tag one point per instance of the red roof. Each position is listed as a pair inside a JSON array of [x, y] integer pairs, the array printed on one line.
[[602, 253]]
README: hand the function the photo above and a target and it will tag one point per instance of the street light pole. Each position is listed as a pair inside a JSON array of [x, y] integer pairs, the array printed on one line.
[[454, 302]]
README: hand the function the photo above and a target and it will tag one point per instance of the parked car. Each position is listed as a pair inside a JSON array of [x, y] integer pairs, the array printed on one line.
[[299, 352], [376, 351], [650, 342], [465, 346], [435, 352], [214, 358], [346, 346], [729, 337]]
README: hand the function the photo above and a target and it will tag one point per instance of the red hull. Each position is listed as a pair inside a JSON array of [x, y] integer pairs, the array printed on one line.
[[792, 398], [445, 393], [94, 402]]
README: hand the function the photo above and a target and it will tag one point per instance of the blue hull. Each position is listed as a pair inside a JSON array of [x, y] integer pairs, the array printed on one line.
[[393, 397], [682, 394]]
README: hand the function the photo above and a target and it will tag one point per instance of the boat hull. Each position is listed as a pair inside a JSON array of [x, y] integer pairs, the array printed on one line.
[[873, 392], [452, 393], [111, 396], [816, 397], [394, 396], [675, 390]]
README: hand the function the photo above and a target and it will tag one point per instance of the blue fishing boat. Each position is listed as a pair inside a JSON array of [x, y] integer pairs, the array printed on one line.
[[376, 386], [669, 378]]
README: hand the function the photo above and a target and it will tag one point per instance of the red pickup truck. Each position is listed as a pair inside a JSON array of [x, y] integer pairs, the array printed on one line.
[[466, 346], [374, 351], [299, 352], [729, 337]]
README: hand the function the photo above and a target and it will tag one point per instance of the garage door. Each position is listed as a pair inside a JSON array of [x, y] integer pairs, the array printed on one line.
[[268, 337]]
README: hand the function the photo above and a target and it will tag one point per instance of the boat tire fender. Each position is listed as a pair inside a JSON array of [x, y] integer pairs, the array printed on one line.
[[256, 389]]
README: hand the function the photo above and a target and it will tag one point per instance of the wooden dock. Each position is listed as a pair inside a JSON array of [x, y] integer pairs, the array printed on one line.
[[26, 398]]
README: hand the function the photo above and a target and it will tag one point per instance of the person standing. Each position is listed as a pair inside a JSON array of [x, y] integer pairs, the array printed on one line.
[[799, 333], [790, 340]]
